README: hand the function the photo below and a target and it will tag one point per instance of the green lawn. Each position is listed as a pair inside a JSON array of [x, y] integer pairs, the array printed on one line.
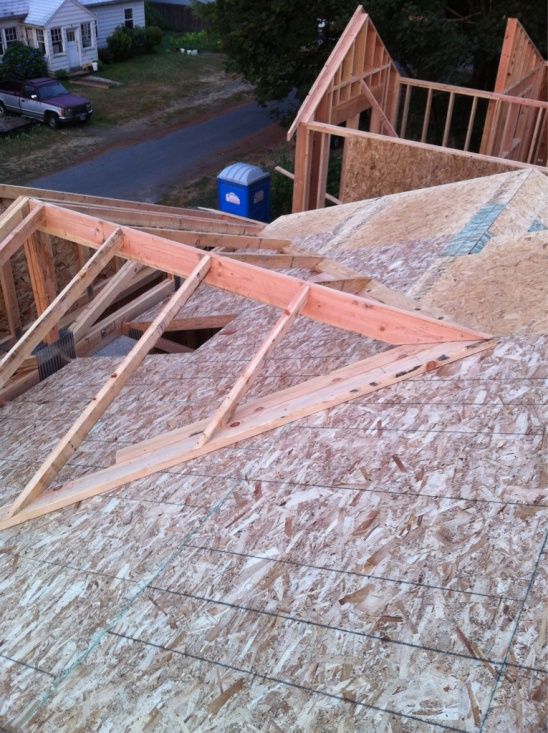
[[154, 85]]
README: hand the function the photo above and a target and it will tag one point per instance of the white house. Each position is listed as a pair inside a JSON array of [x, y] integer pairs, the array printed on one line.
[[109, 14], [67, 32]]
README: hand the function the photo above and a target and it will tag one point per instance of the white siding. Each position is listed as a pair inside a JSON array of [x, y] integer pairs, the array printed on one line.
[[109, 17], [70, 16]]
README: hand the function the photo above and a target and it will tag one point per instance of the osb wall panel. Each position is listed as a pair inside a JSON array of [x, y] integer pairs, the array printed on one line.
[[380, 167]]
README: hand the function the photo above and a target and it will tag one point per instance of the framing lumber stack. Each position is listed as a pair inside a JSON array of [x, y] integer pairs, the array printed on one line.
[[360, 75]]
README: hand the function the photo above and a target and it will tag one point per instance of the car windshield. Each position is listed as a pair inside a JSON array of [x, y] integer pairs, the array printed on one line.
[[48, 91]]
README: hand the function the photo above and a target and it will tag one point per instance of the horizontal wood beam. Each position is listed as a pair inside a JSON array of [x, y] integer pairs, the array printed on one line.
[[9, 192], [185, 324], [346, 133], [211, 239], [277, 261], [349, 312], [172, 347], [143, 218], [469, 92], [351, 108]]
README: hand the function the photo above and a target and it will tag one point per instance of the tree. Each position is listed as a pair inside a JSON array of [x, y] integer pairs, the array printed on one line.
[[277, 45], [281, 45]]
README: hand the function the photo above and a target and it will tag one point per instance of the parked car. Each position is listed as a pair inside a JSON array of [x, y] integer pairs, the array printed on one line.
[[44, 99]]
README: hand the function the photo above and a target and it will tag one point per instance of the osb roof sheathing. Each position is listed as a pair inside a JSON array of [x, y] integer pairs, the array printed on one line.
[[375, 567]]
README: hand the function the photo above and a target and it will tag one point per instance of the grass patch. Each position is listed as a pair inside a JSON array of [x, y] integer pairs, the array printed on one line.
[[152, 84]]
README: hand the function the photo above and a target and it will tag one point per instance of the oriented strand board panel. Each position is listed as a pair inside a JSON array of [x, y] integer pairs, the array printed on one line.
[[380, 167], [405, 218], [502, 289], [301, 579]]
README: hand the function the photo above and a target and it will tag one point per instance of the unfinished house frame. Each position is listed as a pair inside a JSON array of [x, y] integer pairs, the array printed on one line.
[[419, 343], [508, 125]]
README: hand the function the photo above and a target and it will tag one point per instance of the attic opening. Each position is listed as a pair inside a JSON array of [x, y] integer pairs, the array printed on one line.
[[176, 341]]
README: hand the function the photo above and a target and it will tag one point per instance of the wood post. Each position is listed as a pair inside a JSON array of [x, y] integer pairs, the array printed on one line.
[[302, 169], [39, 256], [11, 303]]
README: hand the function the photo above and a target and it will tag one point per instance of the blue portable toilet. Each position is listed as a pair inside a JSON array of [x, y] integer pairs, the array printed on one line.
[[244, 190]]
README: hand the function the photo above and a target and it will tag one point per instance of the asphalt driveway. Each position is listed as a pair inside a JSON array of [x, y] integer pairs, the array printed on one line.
[[143, 171]]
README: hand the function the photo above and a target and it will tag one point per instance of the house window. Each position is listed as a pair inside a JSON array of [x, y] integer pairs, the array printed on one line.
[[41, 41], [1, 45], [57, 40], [128, 17], [11, 36], [85, 29]]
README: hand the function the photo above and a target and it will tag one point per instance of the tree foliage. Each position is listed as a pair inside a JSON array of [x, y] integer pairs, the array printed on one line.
[[281, 45], [21, 62]]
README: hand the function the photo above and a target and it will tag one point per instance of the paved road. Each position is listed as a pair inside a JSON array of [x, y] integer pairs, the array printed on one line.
[[143, 171]]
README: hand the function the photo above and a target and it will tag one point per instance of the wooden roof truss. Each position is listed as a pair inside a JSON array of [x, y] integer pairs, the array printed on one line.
[[419, 343]]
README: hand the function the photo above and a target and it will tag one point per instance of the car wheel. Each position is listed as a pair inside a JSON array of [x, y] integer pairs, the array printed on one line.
[[52, 121], [3, 111]]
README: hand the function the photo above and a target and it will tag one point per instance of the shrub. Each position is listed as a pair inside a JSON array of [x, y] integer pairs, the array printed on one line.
[[153, 38], [105, 56], [200, 40], [119, 44], [22, 62], [61, 74], [138, 41], [127, 42]]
